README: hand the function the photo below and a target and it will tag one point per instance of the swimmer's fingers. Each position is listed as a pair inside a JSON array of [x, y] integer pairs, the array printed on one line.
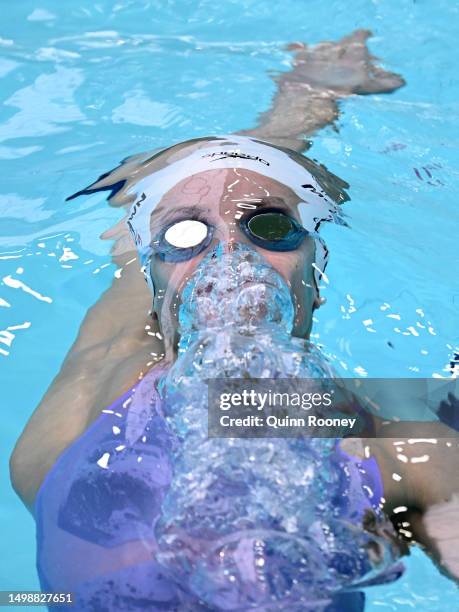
[[377, 79], [296, 46], [380, 81], [357, 36], [331, 54]]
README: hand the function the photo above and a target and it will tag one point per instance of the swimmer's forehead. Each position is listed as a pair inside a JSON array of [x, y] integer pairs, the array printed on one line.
[[213, 190], [221, 190]]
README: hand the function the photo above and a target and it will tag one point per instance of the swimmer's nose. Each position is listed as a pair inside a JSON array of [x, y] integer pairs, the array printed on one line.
[[229, 246], [225, 247]]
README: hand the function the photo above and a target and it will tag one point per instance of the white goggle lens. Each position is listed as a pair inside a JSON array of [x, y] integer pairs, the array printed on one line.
[[186, 234]]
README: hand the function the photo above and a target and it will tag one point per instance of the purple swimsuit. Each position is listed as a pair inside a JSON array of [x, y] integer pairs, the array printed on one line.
[[97, 508]]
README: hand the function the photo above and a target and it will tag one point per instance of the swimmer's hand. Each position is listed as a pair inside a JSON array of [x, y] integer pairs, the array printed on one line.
[[441, 523], [307, 96], [345, 67]]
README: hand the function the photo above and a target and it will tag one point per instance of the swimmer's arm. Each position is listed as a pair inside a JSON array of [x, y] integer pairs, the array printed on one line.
[[307, 96], [421, 475], [111, 350]]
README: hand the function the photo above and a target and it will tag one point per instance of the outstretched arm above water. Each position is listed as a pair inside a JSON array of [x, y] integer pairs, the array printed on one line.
[[113, 346], [307, 96]]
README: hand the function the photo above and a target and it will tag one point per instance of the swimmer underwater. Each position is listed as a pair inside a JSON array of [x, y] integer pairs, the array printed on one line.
[[135, 508]]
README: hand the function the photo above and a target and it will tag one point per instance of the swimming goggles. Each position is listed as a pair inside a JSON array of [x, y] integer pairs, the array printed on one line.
[[270, 229]]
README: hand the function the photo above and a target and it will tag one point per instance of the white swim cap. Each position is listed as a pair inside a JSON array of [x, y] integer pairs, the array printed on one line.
[[143, 180]]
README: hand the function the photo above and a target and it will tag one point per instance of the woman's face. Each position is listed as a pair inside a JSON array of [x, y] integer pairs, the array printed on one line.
[[221, 198]]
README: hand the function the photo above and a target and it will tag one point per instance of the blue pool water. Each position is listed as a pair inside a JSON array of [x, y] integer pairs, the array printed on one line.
[[85, 84]]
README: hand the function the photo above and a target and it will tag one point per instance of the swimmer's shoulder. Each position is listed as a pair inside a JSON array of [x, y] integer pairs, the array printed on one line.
[[51, 431], [112, 349]]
